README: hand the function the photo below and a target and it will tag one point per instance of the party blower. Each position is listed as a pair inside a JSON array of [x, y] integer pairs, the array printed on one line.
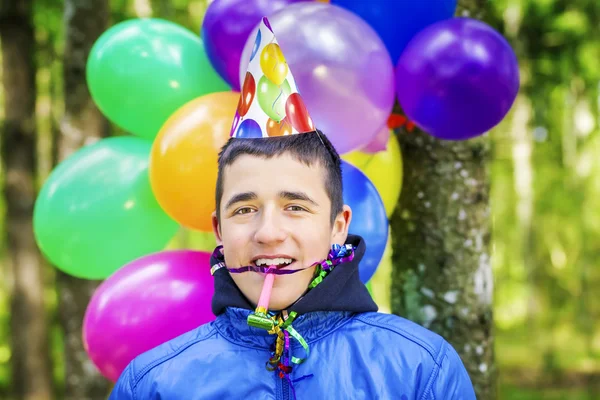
[[260, 319]]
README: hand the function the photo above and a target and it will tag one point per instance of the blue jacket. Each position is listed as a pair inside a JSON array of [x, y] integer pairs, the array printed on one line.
[[353, 354]]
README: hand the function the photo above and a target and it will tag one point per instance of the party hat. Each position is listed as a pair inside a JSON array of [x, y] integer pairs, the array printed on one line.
[[270, 104]]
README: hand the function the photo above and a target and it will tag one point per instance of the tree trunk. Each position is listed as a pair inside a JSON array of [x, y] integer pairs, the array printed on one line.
[[31, 366], [83, 123], [442, 275]]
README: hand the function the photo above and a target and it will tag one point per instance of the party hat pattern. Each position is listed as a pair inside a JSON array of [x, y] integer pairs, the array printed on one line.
[[270, 104]]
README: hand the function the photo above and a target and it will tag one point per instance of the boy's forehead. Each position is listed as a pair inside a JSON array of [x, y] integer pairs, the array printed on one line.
[[249, 170], [284, 162]]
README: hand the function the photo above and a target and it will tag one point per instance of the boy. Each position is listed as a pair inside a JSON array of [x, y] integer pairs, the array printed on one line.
[[286, 251]]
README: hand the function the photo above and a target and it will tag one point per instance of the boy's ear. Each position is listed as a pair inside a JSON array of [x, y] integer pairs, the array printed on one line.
[[216, 228], [339, 233]]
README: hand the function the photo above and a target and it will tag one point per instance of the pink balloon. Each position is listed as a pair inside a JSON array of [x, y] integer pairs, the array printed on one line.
[[379, 143], [145, 303], [341, 67]]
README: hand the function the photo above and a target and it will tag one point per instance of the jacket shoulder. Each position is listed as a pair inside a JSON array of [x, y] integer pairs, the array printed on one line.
[[168, 350], [448, 378], [407, 332]]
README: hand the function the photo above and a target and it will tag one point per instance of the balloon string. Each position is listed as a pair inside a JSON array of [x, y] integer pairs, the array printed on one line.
[[369, 161], [275, 102]]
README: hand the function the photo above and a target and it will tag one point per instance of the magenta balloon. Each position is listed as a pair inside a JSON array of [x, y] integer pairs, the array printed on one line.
[[341, 67], [145, 303]]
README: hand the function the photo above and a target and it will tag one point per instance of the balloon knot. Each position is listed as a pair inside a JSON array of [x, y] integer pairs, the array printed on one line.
[[398, 120]]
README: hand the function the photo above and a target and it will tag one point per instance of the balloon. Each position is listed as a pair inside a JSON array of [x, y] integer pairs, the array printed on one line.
[[297, 114], [457, 79], [379, 143], [341, 68], [270, 99], [249, 129], [370, 289], [96, 211], [248, 90], [183, 162], [140, 71], [368, 217], [144, 304], [256, 45], [397, 22], [236, 121], [226, 27], [281, 128], [272, 63], [384, 169]]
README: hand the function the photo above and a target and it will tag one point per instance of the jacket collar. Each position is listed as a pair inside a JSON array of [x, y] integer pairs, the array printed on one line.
[[341, 290], [312, 326]]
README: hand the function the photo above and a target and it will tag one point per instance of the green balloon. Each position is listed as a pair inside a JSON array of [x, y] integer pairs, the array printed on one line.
[[369, 288], [141, 71], [96, 211], [272, 98]]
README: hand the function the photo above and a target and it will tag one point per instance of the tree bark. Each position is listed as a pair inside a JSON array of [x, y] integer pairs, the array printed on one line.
[[83, 123], [31, 365], [442, 275]]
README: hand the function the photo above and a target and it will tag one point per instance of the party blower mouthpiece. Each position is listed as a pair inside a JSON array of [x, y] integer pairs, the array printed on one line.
[[260, 319]]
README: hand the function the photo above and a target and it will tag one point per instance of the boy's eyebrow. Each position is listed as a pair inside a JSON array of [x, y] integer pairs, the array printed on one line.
[[297, 196], [239, 197]]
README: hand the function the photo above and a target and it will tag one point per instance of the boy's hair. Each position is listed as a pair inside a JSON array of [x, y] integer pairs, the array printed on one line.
[[312, 148]]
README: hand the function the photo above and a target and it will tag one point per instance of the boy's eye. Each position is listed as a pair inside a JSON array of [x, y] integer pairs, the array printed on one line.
[[244, 210], [296, 208]]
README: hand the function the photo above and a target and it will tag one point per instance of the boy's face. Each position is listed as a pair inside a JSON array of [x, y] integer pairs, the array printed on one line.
[[276, 209]]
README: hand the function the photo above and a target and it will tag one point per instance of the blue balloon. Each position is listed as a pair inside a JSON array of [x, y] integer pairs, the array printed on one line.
[[249, 129], [368, 217], [397, 22]]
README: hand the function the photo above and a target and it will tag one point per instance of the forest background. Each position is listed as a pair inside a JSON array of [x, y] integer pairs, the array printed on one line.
[[544, 178]]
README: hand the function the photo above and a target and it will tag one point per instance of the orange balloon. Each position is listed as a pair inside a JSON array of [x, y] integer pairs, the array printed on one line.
[[281, 128], [183, 161]]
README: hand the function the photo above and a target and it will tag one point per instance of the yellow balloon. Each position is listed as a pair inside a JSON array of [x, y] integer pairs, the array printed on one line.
[[273, 64], [384, 169]]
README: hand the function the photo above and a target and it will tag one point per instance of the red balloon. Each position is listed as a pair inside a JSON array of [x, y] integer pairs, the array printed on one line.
[[247, 96], [281, 128], [297, 114]]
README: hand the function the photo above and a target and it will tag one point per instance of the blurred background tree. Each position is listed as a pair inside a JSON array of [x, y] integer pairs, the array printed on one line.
[[31, 377], [543, 163], [81, 124], [442, 272]]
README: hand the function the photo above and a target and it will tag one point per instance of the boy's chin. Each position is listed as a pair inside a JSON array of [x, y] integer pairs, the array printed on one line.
[[282, 298]]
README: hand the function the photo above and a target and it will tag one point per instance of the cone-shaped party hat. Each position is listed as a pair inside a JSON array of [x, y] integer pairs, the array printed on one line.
[[270, 104]]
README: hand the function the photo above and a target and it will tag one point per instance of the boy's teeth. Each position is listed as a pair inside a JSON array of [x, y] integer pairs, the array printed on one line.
[[273, 261]]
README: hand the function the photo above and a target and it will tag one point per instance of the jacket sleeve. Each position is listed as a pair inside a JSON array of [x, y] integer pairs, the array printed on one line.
[[452, 381], [123, 390]]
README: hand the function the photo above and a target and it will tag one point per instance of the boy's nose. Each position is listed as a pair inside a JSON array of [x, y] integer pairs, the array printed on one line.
[[270, 230]]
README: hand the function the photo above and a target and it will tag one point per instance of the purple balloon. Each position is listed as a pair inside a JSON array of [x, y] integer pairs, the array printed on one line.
[[341, 67], [226, 27], [145, 303], [457, 79]]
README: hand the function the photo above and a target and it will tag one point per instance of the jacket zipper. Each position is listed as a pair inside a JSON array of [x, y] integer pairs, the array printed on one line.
[[285, 389]]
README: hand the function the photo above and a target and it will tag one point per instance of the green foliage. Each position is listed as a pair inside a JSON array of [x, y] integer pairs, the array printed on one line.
[[546, 269]]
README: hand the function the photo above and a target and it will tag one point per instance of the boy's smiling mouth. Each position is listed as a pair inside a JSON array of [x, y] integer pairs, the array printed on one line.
[[278, 261]]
